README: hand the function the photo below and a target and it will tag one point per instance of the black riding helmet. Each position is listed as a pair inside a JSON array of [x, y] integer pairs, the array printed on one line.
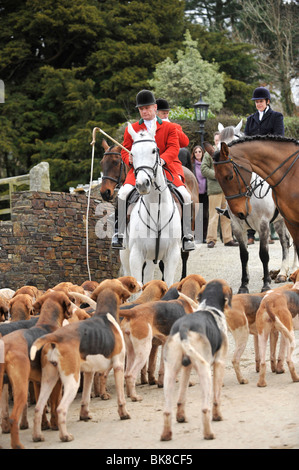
[[145, 98], [261, 93]]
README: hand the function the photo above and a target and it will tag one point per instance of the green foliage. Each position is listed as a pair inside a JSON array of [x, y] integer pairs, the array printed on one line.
[[69, 66], [181, 82]]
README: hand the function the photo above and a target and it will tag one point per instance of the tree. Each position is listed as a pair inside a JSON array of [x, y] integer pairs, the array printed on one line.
[[237, 62], [273, 28], [71, 65], [181, 82], [215, 15]]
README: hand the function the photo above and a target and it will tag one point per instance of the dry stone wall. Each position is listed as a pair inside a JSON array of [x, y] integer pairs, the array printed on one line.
[[45, 241]]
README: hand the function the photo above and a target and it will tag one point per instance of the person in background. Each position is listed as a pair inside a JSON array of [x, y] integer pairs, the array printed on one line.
[[163, 110], [216, 199], [196, 160], [264, 121]]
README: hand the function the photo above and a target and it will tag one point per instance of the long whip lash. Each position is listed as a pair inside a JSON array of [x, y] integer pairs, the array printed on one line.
[[95, 129]]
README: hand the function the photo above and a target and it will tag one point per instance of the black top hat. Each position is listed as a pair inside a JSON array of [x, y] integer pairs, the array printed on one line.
[[145, 98], [162, 105]]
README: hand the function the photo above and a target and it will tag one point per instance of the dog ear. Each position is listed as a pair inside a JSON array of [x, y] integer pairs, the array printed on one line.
[[95, 293], [38, 304], [294, 275], [201, 292], [228, 294], [124, 294], [29, 306], [67, 307]]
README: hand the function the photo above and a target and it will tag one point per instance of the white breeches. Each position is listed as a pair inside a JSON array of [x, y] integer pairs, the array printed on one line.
[[127, 188]]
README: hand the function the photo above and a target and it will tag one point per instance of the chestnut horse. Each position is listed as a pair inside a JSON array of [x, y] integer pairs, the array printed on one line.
[[275, 159], [114, 174]]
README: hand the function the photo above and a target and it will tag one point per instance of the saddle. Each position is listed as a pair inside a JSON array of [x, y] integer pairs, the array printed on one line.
[[134, 196]]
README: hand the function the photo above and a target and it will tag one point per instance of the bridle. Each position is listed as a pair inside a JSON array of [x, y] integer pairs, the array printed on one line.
[[236, 167], [153, 169], [249, 189], [158, 228], [121, 172]]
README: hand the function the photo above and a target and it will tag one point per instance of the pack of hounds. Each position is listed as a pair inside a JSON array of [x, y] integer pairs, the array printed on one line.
[[70, 337]]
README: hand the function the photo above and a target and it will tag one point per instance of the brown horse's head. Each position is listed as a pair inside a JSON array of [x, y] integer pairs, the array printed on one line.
[[234, 179], [113, 170]]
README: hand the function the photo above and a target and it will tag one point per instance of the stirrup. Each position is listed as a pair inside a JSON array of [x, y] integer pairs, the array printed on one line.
[[223, 212], [117, 242], [188, 243]]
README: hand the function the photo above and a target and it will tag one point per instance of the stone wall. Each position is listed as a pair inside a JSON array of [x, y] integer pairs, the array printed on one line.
[[45, 241]]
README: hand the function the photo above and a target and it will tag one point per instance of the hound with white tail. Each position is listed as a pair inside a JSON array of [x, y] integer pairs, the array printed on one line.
[[93, 345], [276, 312], [198, 340]]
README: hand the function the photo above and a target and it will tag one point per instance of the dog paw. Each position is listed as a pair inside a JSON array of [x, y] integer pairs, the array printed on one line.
[[136, 398], [243, 381], [209, 436], [262, 383], [167, 436], [67, 438], [38, 438], [105, 396]]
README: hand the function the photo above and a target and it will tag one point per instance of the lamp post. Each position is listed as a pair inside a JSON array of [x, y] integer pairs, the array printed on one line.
[[201, 113]]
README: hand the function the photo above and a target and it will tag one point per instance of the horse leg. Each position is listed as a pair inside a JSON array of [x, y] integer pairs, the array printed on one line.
[[148, 271], [125, 261], [240, 232], [170, 264], [284, 239], [184, 257], [136, 265], [264, 233]]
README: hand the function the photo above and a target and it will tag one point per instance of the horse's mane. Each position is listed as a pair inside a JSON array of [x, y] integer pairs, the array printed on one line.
[[272, 138]]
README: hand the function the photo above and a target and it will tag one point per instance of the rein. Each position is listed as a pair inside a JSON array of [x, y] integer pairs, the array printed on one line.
[[157, 229], [249, 188]]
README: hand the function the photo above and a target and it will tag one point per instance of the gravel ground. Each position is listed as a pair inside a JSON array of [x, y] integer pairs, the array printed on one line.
[[253, 418]]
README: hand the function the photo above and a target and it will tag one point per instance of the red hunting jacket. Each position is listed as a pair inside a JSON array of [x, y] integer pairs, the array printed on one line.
[[183, 139], [168, 143]]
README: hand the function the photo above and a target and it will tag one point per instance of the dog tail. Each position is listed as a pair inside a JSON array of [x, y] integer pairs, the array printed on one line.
[[127, 313], [189, 351], [280, 326], [40, 342]]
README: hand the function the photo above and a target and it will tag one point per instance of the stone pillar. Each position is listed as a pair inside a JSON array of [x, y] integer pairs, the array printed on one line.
[[40, 177]]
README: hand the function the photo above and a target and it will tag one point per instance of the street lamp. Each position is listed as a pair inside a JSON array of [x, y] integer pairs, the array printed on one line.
[[201, 113]]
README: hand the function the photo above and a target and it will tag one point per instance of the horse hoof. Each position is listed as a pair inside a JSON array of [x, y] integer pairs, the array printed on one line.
[[243, 290], [265, 288]]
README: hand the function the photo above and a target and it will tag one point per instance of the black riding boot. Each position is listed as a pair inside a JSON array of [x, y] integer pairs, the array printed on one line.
[[117, 241], [187, 239]]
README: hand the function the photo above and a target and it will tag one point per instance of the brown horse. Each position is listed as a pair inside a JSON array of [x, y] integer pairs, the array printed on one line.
[[114, 174], [273, 158]]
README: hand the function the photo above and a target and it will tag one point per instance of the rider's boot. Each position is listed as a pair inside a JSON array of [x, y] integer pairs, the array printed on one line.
[[187, 238], [117, 241]]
